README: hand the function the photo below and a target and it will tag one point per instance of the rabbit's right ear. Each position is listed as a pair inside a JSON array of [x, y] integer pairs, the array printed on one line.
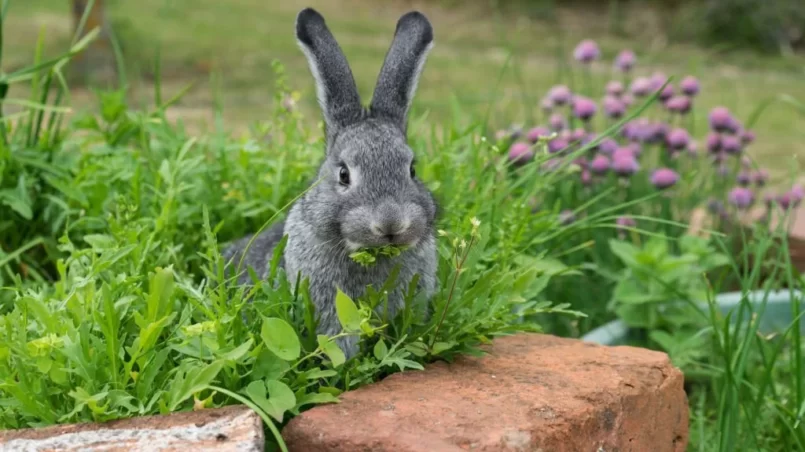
[[335, 87]]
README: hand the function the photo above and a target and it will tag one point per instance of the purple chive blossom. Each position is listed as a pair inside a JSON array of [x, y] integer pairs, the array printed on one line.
[[720, 119], [640, 87], [734, 126], [667, 93], [623, 153], [584, 108], [747, 136], [557, 122], [797, 193], [546, 104], [625, 166], [586, 178], [614, 88], [625, 221], [657, 80], [664, 178], [760, 177], [658, 132], [536, 133], [608, 146], [520, 153], [559, 95], [743, 179], [741, 197], [689, 86], [731, 144], [613, 107], [587, 51], [625, 60], [515, 132], [785, 201], [578, 135], [678, 104], [627, 99], [713, 142], [600, 164], [566, 217], [557, 145], [678, 139], [635, 149]]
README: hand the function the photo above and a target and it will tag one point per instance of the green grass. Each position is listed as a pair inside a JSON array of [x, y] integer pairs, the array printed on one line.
[[485, 60]]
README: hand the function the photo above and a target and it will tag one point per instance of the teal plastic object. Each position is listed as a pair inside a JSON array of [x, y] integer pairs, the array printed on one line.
[[777, 315]]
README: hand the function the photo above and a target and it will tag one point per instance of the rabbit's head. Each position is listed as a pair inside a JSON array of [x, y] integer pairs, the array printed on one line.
[[368, 193]]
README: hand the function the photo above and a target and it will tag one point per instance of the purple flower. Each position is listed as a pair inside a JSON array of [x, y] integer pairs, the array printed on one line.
[[657, 80], [623, 153], [731, 144], [741, 197], [635, 149], [613, 107], [534, 134], [747, 136], [600, 164], [760, 177], [678, 104], [614, 88], [689, 86], [625, 166], [586, 178], [743, 178], [640, 87], [658, 132], [797, 193], [584, 108], [667, 93], [627, 100], [520, 153], [578, 135], [566, 217], [557, 145], [608, 146], [546, 104], [625, 60], [677, 139], [557, 122], [720, 119], [714, 142], [515, 132], [559, 95], [625, 221], [587, 51], [664, 178], [734, 126]]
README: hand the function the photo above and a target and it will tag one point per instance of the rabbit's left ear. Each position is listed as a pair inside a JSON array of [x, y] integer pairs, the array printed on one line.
[[399, 76]]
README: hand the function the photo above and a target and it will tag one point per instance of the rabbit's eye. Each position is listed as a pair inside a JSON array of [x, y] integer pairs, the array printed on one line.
[[343, 175], [413, 171]]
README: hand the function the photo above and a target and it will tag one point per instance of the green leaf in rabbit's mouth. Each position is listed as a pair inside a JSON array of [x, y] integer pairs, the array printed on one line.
[[368, 256]]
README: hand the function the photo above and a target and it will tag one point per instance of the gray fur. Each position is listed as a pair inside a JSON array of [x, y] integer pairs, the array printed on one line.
[[382, 204]]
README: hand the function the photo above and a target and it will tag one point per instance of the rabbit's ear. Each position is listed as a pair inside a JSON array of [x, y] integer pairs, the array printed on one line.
[[399, 76], [335, 87]]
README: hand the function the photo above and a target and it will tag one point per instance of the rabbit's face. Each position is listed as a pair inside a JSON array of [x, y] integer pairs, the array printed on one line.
[[369, 194]]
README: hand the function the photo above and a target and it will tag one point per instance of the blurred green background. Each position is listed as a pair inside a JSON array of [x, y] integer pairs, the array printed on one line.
[[496, 56]]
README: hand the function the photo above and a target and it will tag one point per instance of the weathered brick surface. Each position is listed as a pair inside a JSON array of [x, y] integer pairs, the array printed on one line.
[[226, 429], [532, 393]]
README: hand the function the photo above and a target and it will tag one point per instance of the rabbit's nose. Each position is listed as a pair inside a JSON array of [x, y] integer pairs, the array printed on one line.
[[389, 222]]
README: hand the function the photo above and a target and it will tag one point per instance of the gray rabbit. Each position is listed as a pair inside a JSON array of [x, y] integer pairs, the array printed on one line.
[[367, 193]]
